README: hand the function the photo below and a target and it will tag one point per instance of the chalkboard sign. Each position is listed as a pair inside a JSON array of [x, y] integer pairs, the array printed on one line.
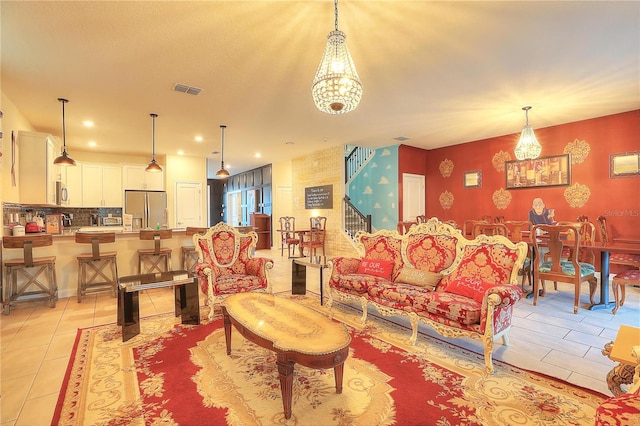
[[318, 197]]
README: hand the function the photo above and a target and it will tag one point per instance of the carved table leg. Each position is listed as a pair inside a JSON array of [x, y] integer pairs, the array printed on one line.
[[338, 371], [620, 374], [285, 370], [227, 330]]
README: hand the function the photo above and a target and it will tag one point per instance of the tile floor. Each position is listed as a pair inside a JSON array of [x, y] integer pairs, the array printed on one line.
[[36, 341]]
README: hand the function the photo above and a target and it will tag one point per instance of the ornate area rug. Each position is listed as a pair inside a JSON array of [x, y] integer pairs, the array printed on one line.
[[173, 374]]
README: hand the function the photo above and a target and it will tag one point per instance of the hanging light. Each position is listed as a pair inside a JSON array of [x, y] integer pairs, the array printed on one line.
[[222, 173], [336, 87], [153, 167], [528, 146], [64, 159]]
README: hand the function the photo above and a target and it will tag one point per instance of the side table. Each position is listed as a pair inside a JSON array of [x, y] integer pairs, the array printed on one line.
[[621, 351], [299, 274]]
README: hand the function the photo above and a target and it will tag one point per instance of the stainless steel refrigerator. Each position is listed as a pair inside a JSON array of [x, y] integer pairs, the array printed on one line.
[[148, 208]]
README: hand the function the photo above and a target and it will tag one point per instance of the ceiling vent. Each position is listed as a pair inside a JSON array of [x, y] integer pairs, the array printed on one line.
[[401, 138], [190, 90]]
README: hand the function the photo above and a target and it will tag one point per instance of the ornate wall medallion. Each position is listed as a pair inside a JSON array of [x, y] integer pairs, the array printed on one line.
[[499, 159], [501, 198], [446, 167], [446, 200], [577, 195], [578, 149]]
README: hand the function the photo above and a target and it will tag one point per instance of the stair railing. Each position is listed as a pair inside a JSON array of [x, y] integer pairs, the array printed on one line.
[[357, 158], [354, 220]]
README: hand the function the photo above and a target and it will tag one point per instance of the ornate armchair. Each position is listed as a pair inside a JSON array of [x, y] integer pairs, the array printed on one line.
[[226, 264]]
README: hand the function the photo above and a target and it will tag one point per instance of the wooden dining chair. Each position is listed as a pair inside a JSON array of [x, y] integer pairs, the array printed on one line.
[[482, 228], [467, 227], [288, 235], [404, 226], [551, 239], [92, 275], [315, 238], [627, 259], [152, 257], [421, 219]]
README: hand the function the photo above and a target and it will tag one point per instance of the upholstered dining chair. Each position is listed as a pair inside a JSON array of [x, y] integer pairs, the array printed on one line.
[[288, 235], [490, 229], [619, 284], [551, 239], [627, 259], [315, 238]]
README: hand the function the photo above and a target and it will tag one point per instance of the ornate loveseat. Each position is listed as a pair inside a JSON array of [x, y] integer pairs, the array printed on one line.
[[434, 275], [226, 264]]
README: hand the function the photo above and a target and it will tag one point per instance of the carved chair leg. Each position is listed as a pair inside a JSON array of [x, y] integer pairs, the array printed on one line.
[[593, 285]]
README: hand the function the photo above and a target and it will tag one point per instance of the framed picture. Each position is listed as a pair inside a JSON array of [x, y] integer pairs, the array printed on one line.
[[53, 223], [473, 179], [540, 172], [626, 164]]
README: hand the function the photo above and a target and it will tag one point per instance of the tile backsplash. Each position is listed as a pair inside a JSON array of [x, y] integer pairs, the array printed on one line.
[[80, 216]]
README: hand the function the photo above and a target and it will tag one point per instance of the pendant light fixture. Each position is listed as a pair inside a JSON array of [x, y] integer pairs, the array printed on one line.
[[336, 87], [222, 173], [153, 167], [528, 147], [64, 159]]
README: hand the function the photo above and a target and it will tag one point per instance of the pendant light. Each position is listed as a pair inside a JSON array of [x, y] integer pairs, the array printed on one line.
[[64, 159], [222, 173], [336, 87], [153, 167], [528, 147]]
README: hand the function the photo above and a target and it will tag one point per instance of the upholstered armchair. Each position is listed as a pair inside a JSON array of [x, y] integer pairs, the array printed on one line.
[[226, 264]]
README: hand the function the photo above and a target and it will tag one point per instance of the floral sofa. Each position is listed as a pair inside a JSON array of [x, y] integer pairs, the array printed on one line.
[[434, 275], [226, 264]]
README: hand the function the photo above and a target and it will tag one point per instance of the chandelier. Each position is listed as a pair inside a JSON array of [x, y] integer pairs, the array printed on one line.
[[222, 173], [336, 87], [64, 159], [528, 146]]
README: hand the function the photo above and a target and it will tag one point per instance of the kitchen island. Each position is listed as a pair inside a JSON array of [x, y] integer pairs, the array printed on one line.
[[126, 245]]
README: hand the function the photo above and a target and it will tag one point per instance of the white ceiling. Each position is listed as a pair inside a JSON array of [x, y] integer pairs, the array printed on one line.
[[438, 73]]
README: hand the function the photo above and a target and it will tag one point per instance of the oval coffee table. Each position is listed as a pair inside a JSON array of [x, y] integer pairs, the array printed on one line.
[[295, 333]]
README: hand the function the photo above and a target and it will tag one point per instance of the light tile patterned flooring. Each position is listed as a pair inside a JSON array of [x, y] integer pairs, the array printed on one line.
[[36, 341]]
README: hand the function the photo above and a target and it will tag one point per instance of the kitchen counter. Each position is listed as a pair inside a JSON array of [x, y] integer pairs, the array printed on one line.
[[126, 245]]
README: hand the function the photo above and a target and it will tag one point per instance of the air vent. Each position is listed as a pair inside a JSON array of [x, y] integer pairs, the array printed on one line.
[[190, 90], [401, 138]]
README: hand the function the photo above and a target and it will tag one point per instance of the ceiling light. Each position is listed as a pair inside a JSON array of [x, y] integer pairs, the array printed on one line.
[[198, 138], [336, 87], [528, 146], [88, 123], [153, 167], [91, 143], [64, 159], [222, 173]]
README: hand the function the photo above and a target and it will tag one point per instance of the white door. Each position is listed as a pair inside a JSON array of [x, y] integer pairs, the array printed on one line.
[[188, 204], [413, 192]]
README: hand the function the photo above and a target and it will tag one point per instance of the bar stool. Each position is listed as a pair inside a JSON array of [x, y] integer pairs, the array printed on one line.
[[31, 268], [157, 254], [188, 254], [97, 262]]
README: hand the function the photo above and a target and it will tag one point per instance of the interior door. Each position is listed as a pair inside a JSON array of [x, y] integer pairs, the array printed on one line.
[[188, 208], [413, 196]]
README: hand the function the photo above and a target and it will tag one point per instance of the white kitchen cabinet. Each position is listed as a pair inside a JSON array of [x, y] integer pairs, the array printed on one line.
[[135, 176], [72, 180], [37, 174], [101, 185]]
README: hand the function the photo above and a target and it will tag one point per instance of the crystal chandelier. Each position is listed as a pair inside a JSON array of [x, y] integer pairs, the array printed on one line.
[[528, 146], [336, 87]]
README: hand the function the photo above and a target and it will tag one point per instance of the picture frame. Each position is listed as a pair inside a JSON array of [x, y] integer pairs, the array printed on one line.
[[472, 179], [625, 164], [53, 223], [540, 172]]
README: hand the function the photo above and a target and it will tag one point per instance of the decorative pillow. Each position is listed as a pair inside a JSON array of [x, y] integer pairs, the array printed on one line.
[[377, 267], [419, 277], [469, 287]]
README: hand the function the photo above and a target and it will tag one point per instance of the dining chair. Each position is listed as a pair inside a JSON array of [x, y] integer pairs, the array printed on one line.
[[153, 257], [490, 229], [404, 226], [551, 239], [467, 227], [421, 218], [92, 276], [451, 222], [288, 235], [619, 284], [627, 259], [315, 238]]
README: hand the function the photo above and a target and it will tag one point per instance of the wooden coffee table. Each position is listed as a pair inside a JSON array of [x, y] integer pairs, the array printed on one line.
[[295, 333]]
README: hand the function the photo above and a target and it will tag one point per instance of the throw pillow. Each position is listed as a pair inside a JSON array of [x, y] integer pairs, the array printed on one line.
[[469, 287], [419, 277], [377, 267]]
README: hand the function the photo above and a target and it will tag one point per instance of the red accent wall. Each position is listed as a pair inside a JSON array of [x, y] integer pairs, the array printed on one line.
[[618, 199]]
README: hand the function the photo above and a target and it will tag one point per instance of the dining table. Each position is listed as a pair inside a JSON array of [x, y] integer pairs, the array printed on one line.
[[605, 249]]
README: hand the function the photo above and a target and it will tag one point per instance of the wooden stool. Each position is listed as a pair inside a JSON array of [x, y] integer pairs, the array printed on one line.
[[97, 262], [31, 268], [188, 254], [619, 283], [157, 254]]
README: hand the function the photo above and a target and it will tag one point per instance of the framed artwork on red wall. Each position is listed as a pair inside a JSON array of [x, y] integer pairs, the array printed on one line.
[[625, 164], [540, 172]]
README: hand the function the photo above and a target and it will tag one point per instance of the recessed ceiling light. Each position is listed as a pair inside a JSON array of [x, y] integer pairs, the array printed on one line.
[[92, 143], [88, 123], [258, 155], [198, 138], [181, 152]]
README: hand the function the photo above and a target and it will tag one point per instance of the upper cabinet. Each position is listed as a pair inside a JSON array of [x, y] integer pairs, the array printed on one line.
[[37, 175], [134, 176], [101, 185], [72, 179]]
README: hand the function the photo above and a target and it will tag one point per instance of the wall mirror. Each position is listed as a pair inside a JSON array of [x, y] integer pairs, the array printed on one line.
[[626, 164], [473, 179]]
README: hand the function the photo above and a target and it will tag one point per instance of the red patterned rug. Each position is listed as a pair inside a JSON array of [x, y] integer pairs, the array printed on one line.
[[173, 374]]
